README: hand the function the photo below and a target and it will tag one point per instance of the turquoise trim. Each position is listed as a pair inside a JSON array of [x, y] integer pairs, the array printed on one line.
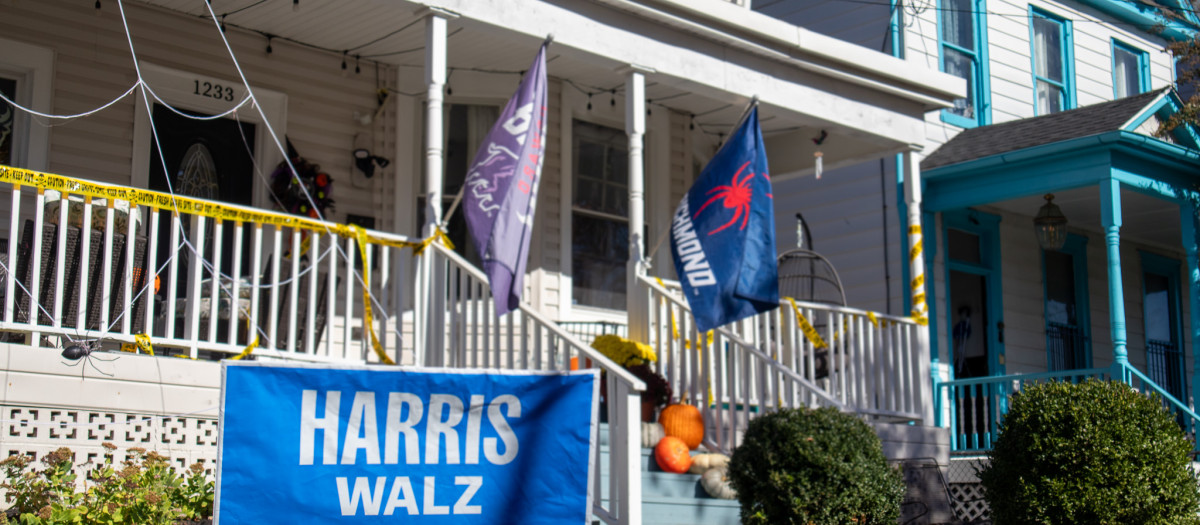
[[1143, 66], [896, 28], [1076, 247], [1188, 229], [931, 250], [1147, 18], [1110, 219], [981, 93], [1067, 86], [1064, 165], [987, 227]]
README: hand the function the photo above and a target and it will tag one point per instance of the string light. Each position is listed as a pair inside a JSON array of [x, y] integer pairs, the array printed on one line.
[[357, 69], [295, 6], [589, 101], [692, 124], [613, 101], [97, 7], [269, 48], [222, 20], [345, 71]]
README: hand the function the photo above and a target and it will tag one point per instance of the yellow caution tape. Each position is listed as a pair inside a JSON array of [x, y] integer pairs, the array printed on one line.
[[188, 205], [914, 229], [438, 234], [918, 281], [368, 319], [915, 251], [874, 320], [143, 343], [249, 348], [807, 328]]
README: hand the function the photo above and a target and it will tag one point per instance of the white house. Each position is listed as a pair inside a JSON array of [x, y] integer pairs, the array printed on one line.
[[181, 110]]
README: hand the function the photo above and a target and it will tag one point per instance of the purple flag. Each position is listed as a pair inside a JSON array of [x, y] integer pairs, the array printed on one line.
[[502, 184]]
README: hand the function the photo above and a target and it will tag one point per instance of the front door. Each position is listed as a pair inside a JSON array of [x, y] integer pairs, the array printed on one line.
[[974, 316], [206, 159]]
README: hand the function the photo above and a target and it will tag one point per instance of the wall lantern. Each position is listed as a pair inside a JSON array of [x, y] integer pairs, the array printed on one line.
[[1050, 225]]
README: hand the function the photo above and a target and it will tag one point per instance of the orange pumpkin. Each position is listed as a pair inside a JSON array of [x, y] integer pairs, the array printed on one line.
[[684, 422], [672, 455]]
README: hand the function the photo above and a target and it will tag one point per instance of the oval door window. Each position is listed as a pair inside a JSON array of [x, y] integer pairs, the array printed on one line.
[[198, 173]]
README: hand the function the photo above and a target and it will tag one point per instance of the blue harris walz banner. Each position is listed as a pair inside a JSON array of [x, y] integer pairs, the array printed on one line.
[[307, 444]]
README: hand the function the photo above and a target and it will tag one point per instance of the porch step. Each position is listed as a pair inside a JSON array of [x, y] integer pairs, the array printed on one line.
[[672, 499]]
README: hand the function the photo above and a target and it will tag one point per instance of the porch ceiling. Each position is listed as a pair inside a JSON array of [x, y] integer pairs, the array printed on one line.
[[1146, 219], [869, 109]]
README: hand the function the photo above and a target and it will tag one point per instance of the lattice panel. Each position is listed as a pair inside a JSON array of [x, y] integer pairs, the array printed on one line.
[[35, 432], [967, 501]]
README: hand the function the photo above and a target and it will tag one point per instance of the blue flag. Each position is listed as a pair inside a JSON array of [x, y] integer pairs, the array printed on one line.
[[502, 184], [723, 234]]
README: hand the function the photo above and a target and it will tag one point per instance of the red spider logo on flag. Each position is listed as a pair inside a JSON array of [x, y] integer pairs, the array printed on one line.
[[737, 195]]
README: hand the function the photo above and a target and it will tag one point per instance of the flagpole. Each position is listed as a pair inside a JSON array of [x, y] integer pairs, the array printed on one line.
[[745, 114]]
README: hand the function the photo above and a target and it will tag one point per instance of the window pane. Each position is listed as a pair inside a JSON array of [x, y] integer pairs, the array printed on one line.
[[599, 251], [1047, 48], [958, 25], [1049, 98], [7, 118], [961, 65], [963, 246], [1158, 308], [601, 169], [1060, 288], [1127, 73]]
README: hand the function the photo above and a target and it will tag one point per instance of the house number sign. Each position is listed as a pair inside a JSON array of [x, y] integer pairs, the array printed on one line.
[[214, 90]]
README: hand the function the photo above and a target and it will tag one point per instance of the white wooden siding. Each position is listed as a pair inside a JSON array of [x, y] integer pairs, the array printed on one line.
[[93, 65], [845, 213]]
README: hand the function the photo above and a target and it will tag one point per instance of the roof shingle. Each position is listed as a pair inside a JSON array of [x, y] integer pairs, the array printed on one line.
[[995, 139]]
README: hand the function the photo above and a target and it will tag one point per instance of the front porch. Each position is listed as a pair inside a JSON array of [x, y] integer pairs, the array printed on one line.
[[1115, 301]]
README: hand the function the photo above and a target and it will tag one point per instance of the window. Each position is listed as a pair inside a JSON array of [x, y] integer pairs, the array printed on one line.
[[1064, 276], [962, 45], [1160, 313], [1052, 69], [25, 78], [599, 216], [8, 119], [1131, 73]]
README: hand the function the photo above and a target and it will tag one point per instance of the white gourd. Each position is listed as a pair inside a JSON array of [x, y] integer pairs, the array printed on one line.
[[716, 483], [651, 434], [702, 462]]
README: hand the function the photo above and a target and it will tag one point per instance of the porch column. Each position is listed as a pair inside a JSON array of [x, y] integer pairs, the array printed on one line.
[[1189, 228], [431, 276], [1110, 220], [636, 305], [916, 262]]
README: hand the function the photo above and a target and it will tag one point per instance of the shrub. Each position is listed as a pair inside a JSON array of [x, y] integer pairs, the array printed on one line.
[[1097, 452], [143, 489], [814, 467]]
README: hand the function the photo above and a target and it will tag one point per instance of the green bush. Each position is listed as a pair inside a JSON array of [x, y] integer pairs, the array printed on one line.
[[1096, 452], [819, 467], [142, 490]]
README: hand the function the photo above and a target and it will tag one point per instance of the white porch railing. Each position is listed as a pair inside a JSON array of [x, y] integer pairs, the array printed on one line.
[[854, 360], [462, 331], [200, 278]]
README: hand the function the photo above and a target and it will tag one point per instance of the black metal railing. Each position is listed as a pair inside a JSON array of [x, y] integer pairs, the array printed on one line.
[[1066, 346]]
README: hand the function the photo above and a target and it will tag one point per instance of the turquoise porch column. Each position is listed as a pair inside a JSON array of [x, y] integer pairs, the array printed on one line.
[[1110, 219], [1188, 229]]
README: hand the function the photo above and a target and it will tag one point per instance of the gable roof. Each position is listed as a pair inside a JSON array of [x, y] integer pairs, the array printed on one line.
[[985, 141]]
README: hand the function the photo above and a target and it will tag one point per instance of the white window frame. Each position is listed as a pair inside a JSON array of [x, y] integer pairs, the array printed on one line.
[[33, 69]]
